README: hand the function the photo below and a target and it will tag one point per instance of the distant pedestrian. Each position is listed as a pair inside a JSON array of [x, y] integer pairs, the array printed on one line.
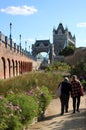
[[65, 93], [75, 93]]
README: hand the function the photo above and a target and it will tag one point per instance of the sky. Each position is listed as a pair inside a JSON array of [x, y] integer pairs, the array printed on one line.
[[35, 19]]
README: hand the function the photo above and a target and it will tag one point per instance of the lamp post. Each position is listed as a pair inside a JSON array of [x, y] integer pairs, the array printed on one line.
[[10, 31], [10, 36], [20, 40]]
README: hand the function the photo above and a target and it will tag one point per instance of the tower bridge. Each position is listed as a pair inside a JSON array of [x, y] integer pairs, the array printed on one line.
[[15, 61], [62, 38]]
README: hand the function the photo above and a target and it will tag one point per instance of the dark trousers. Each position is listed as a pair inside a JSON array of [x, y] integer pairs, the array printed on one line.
[[64, 103], [76, 103]]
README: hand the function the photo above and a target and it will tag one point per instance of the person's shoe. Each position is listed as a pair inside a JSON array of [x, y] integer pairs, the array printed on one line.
[[78, 110], [66, 111], [73, 112], [62, 114]]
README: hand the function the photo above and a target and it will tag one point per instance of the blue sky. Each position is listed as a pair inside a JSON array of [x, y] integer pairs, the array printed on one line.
[[35, 19]]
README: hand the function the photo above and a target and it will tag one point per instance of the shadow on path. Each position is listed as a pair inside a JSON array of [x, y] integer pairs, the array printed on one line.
[[69, 121], [50, 117]]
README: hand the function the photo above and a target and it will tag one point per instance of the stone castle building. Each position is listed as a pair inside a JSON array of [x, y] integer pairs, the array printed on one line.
[[62, 38]]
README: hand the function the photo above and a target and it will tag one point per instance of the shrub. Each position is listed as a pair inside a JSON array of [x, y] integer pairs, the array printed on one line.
[[79, 69], [44, 100], [3, 113], [26, 97], [8, 121], [84, 84], [24, 105], [18, 109], [67, 51]]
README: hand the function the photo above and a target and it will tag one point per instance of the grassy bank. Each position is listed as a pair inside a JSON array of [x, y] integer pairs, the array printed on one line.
[[31, 80], [24, 97]]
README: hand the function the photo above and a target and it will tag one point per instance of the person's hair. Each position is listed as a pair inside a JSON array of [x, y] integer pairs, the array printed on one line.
[[75, 77], [66, 79]]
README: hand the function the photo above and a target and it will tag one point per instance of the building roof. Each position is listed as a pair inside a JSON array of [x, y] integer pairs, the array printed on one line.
[[60, 27], [44, 42]]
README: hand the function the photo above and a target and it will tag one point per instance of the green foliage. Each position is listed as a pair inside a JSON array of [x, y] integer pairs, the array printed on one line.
[[79, 69], [8, 121], [3, 113], [25, 97], [14, 123], [18, 109], [31, 80], [84, 84], [67, 51], [27, 106], [49, 68], [62, 66], [45, 99], [58, 66]]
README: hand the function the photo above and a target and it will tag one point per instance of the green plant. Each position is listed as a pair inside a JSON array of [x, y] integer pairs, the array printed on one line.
[[8, 121], [26, 97], [3, 113], [69, 50], [18, 109], [84, 84], [14, 123], [25, 106], [79, 69]]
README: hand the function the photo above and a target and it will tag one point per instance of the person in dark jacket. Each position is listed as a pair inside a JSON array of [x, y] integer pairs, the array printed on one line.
[[65, 93], [75, 93]]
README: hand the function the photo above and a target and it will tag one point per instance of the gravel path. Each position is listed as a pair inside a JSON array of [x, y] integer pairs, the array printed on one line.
[[54, 121]]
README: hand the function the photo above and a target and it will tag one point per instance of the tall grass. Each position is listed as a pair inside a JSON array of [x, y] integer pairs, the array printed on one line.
[[31, 80]]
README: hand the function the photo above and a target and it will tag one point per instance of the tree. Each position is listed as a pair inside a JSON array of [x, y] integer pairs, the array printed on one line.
[[69, 50], [79, 69]]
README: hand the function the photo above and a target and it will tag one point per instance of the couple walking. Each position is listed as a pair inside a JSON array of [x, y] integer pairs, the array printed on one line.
[[70, 88]]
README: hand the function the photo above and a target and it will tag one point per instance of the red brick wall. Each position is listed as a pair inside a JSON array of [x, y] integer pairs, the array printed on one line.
[[13, 63]]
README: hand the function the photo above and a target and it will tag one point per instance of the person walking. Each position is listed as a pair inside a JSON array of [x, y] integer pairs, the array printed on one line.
[[75, 93], [65, 93]]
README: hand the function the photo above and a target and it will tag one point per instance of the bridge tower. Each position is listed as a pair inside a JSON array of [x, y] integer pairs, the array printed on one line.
[[62, 38]]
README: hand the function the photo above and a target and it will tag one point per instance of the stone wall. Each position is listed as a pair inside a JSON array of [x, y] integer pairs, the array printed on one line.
[[79, 55]]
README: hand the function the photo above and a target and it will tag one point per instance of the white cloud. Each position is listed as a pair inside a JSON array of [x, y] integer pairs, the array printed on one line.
[[19, 10], [81, 24]]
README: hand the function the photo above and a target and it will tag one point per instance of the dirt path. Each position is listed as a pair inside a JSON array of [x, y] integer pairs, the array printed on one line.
[[54, 121]]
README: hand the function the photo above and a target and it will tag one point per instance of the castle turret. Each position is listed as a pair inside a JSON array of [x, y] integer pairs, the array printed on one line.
[[62, 38]]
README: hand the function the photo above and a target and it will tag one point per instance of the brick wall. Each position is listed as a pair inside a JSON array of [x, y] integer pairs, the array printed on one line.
[[13, 61]]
